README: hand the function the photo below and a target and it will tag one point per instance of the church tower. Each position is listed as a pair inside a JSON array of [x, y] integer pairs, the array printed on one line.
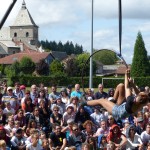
[[24, 28]]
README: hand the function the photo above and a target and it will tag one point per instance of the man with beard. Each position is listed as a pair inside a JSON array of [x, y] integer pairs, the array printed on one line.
[[57, 138]]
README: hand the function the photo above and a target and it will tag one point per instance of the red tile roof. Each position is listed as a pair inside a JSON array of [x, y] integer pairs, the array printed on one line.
[[121, 69], [35, 56]]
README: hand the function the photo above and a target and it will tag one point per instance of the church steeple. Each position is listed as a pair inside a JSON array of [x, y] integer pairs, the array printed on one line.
[[24, 28], [23, 5]]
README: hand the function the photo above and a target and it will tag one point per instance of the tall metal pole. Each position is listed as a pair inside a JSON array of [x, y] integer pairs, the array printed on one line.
[[7, 13], [91, 52]]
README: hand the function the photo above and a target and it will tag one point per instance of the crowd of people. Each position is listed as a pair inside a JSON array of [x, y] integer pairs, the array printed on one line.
[[45, 119]]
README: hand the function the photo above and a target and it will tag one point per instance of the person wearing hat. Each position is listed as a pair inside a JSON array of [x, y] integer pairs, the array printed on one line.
[[69, 114], [10, 97], [140, 125]]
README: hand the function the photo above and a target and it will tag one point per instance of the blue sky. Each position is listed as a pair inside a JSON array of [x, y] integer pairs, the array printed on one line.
[[70, 20]]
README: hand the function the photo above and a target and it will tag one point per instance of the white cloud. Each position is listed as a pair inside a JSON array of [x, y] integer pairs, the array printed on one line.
[[64, 20]]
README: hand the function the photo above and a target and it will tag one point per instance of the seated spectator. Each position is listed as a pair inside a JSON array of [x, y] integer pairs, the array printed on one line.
[[86, 146], [53, 94], [27, 95], [16, 127], [37, 117], [45, 113], [2, 117], [32, 132], [117, 137], [111, 121], [92, 142], [145, 136], [133, 139], [69, 114], [76, 91], [75, 102], [3, 145], [57, 138], [89, 94], [28, 106], [10, 97], [64, 96], [100, 93], [89, 129], [3, 136], [34, 145], [77, 137], [97, 117], [42, 137], [103, 129], [20, 117], [81, 116], [18, 141], [42, 96], [68, 129], [139, 125], [111, 92], [60, 104], [32, 124], [9, 127], [8, 110], [102, 142], [45, 144], [56, 117], [125, 125]]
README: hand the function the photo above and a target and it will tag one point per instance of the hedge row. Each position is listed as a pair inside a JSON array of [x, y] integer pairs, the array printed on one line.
[[64, 81]]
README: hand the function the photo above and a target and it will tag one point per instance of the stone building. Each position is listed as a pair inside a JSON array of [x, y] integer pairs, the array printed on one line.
[[21, 35]]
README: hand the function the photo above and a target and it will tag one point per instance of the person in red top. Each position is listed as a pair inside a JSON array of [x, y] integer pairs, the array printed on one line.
[[116, 137]]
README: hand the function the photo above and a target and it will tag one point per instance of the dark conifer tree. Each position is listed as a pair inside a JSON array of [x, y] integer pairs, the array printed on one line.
[[140, 64]]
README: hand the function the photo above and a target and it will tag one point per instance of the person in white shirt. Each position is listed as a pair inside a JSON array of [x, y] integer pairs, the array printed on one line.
[[9, 127], [97, 116], [133, 139], [102, 130], [145, 136], [8, 110], [35, 143], [69, 114]]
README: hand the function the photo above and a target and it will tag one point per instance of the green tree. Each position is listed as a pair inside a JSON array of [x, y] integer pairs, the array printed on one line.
[[42, 68], [27, 66], [140, 63], [106, 57], [13, 69], [81, 64], [56, 67]]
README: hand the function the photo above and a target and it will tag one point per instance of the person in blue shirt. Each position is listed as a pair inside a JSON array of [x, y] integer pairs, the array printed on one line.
[[77, 92]]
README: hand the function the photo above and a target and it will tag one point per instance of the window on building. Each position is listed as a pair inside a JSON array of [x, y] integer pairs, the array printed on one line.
[[27, 34], [15, 34]]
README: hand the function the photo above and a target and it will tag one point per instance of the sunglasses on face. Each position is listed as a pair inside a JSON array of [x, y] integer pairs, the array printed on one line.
[[56, 110]]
